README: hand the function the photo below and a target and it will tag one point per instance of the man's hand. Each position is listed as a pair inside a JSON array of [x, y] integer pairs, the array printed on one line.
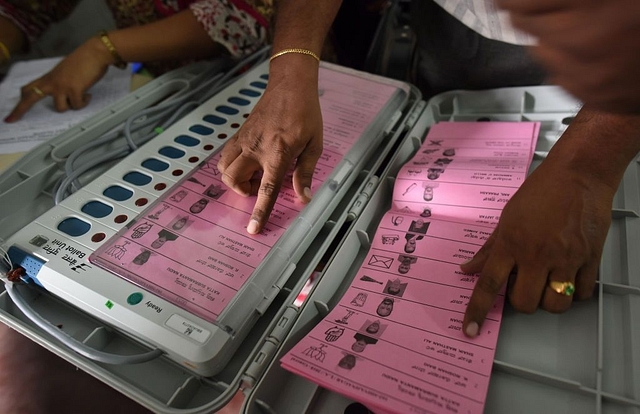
[[284, 126], [590, 47], [68, 82], [553, 229]]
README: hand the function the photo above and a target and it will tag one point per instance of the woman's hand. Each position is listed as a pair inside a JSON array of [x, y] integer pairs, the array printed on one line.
[[68, 82]]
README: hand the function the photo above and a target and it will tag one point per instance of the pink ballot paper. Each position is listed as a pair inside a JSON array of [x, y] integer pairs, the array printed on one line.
[[191, 246], [394, 341]]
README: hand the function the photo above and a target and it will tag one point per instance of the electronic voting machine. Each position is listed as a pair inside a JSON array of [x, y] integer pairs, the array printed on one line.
[[127, 242]]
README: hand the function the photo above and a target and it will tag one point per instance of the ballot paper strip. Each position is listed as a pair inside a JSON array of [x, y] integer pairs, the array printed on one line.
[[192, 247], [394, 341], [42, 122]]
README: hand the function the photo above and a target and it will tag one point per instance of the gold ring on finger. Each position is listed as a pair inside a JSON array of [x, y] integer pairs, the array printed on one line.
[[563, 288], [38, 91]]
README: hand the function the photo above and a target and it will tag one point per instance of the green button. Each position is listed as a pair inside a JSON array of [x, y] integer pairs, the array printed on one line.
[[134, 298]]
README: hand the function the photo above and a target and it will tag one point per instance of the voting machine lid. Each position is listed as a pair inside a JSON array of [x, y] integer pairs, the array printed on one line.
[[161, 384]]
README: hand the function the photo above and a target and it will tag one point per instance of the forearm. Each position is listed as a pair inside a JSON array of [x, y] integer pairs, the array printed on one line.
[[180, 36], [300, 24], [598, 145], [303, 24]]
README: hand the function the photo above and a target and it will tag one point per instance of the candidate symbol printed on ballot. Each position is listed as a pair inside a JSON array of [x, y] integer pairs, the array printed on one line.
[[334, 333], [210, 167], [316, 352], [117, 250], [156, 215], [366, 278], [382, 262], [140, 230], [390, 239], [345, 319], [360, 299]]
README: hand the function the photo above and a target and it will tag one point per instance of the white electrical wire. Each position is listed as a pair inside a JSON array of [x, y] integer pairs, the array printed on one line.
[[71, 342], [175, 107], [6, 259]]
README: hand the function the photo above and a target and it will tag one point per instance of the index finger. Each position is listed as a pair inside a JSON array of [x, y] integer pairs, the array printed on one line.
[[267, 194], [28, 98], [490, 283]]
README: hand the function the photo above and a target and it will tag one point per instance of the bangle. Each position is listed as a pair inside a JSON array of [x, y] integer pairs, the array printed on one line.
[[5, 51], [118, 62], [295, 50]]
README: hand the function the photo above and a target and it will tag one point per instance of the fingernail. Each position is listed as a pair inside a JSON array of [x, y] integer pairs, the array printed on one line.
[[466, 261], [252, 228], [307, 192], [472, 330]]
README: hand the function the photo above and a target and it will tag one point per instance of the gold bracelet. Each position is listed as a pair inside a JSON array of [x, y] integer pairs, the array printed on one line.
[[118, 62], [295, 50], [5, 51]]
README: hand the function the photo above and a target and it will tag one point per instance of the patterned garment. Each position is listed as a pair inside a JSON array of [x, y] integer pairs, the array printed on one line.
[[241, 29], [239, 25]]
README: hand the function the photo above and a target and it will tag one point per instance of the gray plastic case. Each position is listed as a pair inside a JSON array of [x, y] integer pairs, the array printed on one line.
[[584, 361]]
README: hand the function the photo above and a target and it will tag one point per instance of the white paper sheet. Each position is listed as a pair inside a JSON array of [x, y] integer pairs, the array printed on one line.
[[42, 122]]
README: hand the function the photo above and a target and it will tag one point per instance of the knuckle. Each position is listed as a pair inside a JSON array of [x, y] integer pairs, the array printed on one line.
[[229, 180], [306, 174], [523, 306], [282, 150], [268, 189], [255, 143], [489, 284]]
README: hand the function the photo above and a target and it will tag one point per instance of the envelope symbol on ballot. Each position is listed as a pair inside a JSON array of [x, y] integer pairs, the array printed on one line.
[[380, 261]]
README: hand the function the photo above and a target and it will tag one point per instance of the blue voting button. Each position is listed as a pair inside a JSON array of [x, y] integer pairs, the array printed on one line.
[[134, 298]]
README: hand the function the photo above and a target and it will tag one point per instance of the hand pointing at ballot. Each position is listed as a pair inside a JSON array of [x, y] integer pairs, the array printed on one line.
[[550, 236], [285, 127]]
